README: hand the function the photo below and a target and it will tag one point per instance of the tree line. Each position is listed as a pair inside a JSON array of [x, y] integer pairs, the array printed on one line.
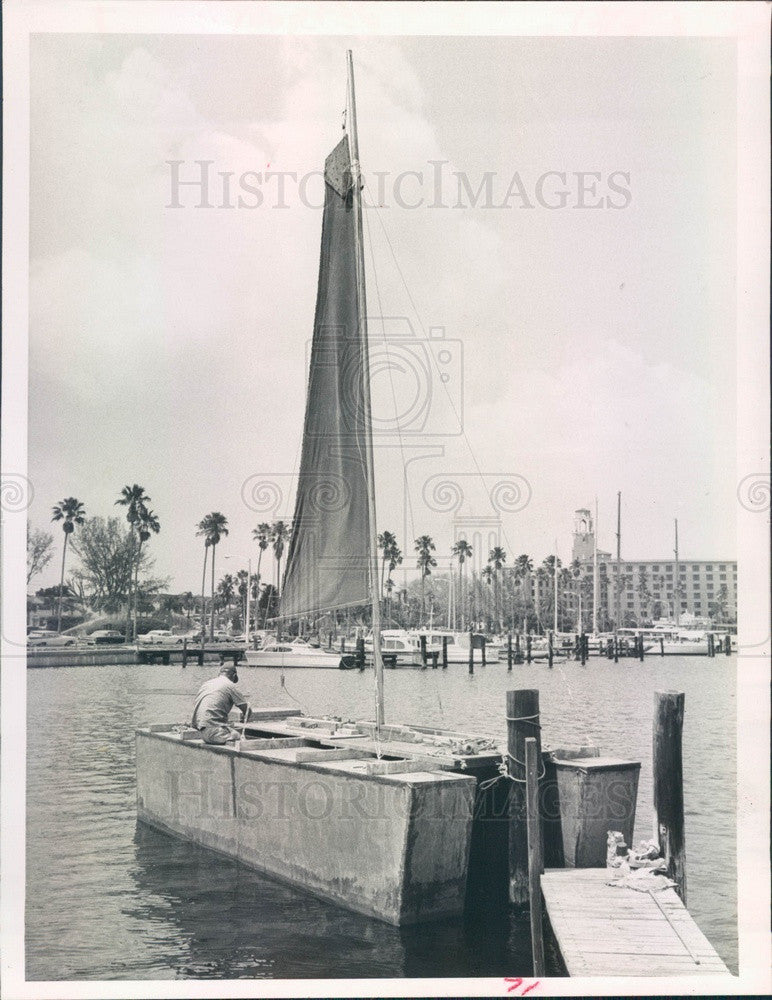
[[500, 597]]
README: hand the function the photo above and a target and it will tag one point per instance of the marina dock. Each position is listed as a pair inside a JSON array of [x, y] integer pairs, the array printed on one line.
[[91, 656], [603, 930]]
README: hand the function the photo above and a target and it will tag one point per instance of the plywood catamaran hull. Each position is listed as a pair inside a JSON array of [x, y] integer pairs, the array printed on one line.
[[392, 846]]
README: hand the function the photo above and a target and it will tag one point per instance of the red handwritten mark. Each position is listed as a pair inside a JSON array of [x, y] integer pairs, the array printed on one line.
[[516, 982]]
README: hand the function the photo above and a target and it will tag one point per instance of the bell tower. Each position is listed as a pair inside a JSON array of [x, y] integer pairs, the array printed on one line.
[[584, 536]]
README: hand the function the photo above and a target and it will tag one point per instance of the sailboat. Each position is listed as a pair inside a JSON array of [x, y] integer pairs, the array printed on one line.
[[377, 818]]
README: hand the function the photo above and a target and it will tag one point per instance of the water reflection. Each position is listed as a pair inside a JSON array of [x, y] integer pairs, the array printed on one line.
[[231, 922]]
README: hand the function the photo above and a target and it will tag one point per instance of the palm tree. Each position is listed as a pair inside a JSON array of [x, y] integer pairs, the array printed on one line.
[[262, 535], [226, 589], [497, 558], [487, 574], [280, 533], [389, 589], [524, 568], [70, 512], [187, 602], [215, 526], [462, 550], [387, 542], [203, 530], [147, 523], [424, 546], [133, 498]]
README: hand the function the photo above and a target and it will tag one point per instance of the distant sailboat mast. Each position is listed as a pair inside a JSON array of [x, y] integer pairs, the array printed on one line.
[[368, 435], [595, 580]]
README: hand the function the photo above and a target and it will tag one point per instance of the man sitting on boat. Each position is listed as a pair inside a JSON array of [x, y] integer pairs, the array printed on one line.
[[215, 699]]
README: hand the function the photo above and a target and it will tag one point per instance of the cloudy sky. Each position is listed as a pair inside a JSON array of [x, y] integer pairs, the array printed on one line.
[[588, 350]]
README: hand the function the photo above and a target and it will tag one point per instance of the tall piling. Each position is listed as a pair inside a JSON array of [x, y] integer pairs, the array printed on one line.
[[360, 653], [669, 784], [471, 651], [422, 640], [509, 651], [550, 650], [522, 722], [444, 652], [728, 645], [528, 648], [582, 648], [535, 853]]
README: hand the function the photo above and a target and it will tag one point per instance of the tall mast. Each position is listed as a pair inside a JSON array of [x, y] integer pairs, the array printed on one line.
[[362, 317], [677, 585], [618, 587], [595, 574]]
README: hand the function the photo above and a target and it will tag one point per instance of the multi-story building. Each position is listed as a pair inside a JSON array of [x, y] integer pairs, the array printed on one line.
[[645, 590]]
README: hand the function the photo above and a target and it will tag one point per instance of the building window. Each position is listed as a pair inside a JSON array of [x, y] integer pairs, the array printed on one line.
[[655, 567], [709, 566], [722, 566]]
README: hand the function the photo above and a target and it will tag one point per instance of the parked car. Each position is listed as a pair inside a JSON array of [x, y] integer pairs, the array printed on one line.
[[160, 637], [43, 638], [106, 636]]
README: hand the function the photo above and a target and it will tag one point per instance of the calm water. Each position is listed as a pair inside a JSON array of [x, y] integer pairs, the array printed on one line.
[[110, 899]]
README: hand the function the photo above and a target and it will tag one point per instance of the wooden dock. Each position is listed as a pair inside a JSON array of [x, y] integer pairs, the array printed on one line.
[[603, 930]]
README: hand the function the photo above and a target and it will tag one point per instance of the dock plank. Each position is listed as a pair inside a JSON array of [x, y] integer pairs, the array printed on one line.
[[603, 930]]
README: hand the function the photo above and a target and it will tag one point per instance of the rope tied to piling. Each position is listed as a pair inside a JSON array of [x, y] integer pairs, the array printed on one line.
[[524, 718], [504, 771]]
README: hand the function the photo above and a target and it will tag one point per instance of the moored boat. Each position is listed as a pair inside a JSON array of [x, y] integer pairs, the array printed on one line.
[[376, 818], [293, 654]]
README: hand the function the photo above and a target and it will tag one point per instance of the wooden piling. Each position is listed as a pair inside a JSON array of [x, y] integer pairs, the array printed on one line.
[[184, 652], [522, 722], [669, 784], [528, 648], [728, 645], [711, 645], [471, 651], [360, 654], [550, 650], [484, 660], [616, 649], [342, 645], [641, 650], [435, 656], [535, 853], [518, 650], [509, 651], [444, 652], [582, 649], [661, 646], [422, 641]]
